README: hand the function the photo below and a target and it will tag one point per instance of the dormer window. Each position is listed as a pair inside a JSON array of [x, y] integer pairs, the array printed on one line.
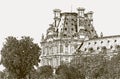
[[72, 19], [98, 48], [111, 47], [88, 24], [66, 18], [108, 41], [65, 35], [85, 49], [101, 42], [92, 30], [95, 43], [104, 48], [71, 23], [117, 46], [65, 29], [66, 23], [91, 49], [72, 29], [88, 43], [85, 29]]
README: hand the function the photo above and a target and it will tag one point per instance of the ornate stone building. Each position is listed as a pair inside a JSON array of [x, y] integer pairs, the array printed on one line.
[[71, 31]]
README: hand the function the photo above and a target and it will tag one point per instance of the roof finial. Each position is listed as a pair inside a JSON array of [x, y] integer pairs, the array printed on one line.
[[71, 7], [101, 35]]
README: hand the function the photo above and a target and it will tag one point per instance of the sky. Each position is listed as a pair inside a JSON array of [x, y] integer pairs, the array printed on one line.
[[32, 17]]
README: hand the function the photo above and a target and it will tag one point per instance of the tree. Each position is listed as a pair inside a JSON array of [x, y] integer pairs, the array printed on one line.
[[68, 72], [91, 66], [75, 73], [19, 56], [6, 75], [45, 72], [33, 74], [78, 65], [2, 75], [114, 67], [62, 72], [98, 66]]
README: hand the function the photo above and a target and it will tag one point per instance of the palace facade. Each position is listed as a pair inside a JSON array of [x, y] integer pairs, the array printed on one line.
[[69, 32]]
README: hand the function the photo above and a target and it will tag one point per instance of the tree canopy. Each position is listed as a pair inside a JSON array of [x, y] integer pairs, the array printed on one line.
[[19, 56], [45, 72], [68, 72]]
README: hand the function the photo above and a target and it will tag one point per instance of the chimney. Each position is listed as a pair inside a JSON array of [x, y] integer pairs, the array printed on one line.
[[56, 15], [80, 11], [90, 15], [80, 20]]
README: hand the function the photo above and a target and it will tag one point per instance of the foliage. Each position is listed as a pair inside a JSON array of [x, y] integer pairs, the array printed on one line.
[[91, 66], [2, 75], [19, 56], [68, 72], [114, 67], [62, 71], [45, 72], [33, 74], [97, 66]]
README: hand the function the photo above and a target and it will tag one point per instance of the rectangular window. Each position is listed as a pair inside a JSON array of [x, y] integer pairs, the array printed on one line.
[[66, 49], [61, 48], [55, 49]]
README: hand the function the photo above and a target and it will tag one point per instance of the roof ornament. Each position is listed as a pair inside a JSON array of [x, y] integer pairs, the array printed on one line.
[[42, 37], [101, 34], [71, 7]]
